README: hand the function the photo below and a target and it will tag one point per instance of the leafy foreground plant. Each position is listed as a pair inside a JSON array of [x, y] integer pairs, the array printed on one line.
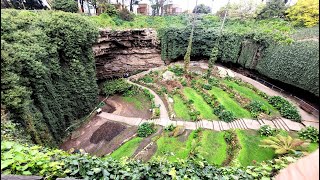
[[285, 144], [145, 129], [266, 130], [285, 108], [36, 160], [310, 133]]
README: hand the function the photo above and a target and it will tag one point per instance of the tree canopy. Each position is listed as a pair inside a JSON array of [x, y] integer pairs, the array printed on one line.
[[201, 8], [304, 13]]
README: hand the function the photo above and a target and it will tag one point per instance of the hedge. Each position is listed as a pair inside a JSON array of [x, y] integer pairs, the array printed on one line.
[[296, 63], [48, 78]]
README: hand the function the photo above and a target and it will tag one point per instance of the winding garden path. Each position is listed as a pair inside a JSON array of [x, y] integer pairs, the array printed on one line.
[[164, 120]]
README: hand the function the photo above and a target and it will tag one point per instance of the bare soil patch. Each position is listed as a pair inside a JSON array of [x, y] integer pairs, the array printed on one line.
[[107, 131], [81, 137], [183, 137], [127, 109]]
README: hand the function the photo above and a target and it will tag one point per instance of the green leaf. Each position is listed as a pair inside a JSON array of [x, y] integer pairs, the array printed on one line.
[[6, 163], [96, 170], [26, 173]]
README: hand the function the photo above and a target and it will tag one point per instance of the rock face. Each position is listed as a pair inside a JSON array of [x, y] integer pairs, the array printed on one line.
[[127, 51]]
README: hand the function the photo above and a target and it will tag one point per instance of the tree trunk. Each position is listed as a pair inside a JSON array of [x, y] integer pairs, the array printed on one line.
[[131, 5]]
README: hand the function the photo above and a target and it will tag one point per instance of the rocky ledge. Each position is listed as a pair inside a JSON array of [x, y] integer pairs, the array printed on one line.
[[127, 51]]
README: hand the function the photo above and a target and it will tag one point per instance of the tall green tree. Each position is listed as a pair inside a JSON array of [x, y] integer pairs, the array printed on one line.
[[202, 9], [188, 53], [273, 9]]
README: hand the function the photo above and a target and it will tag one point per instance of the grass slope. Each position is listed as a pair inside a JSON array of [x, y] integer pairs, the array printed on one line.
[[206, 112], [249, 93], [140, 101], [229, 103], [250, 150], [180, 109], [213, 147], [172, 148], [127, 149]]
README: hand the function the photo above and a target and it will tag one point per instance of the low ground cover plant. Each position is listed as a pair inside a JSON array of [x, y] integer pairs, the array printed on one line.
[[285, 108], [145, 129], [309, 133], [266, 130]]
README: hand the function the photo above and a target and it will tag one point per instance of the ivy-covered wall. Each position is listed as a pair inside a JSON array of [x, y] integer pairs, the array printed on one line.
[[48, 78], [295, 64]]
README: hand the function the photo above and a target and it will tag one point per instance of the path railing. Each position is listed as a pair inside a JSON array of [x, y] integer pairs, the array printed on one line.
[[310, 109]]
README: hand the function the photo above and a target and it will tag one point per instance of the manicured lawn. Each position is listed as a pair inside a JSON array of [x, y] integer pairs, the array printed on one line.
[[206, 112], [172, 148], [140, 101], [250, 150], [127, 149], [250, 94], [231, 105], [213, 147], [180, 109]]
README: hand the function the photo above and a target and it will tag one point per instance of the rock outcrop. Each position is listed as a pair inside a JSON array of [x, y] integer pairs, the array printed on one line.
[[126, 51]]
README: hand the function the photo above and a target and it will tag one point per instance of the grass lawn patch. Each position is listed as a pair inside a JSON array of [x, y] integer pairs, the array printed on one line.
[[213, 146], [172, 148], [206, 112], [230, 104], [140, 101], [127, 149], [312, 147], [180, 109], [250, 94], [249, 141]]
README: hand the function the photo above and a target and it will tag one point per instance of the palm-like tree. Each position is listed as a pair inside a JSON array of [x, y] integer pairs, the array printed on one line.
[[284, 144]]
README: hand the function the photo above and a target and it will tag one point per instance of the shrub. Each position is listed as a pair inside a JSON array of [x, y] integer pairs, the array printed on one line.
[[116, 86], [213, 81], [266, 130], [255, 108], [226, 116], [125, 15], [65, 5], [286, 109], [171, 127], [310, 133], [304, 13], [207, 86], [111, 10], [218, 110], [183, 82], [145, 129], [147, 79], [177, 70]]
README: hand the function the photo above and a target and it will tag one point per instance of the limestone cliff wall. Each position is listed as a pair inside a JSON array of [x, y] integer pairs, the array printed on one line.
[[126, 51]]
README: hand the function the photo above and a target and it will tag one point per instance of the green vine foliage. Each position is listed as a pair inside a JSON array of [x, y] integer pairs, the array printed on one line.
[[296, 64], [271, 54], [51, 163], [47, 72]]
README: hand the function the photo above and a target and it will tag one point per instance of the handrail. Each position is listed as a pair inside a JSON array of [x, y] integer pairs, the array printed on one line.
[[314, 112]]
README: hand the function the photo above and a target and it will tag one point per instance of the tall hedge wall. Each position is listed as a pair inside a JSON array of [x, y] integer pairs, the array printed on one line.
[[295, 64], [48, 76]]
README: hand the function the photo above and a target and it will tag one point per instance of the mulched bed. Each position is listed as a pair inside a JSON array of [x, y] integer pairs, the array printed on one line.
[[107, 131]]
